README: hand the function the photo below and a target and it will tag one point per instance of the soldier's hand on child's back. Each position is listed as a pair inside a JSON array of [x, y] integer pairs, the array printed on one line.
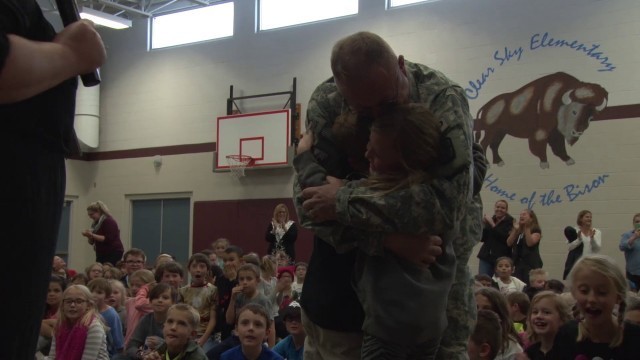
[[421, 250]]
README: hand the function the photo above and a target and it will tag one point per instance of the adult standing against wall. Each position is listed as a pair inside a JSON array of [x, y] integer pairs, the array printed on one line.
[[630, 244], [524, 239], [282, 233], [494, 238], [367, 76], [588, 240], [588, 236], [104, 234], [38, 82]]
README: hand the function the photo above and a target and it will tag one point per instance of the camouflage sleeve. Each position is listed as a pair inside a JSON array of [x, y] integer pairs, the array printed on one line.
[[420, 209], [480, 167], [342, 237], [323, 107], [452, 186]]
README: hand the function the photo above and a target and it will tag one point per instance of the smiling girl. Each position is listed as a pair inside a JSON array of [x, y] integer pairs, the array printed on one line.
[[548, 312], [599, 287]]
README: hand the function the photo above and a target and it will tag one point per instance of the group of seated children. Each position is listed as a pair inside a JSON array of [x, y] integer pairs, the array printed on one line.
[[226, 312], [597, 319]]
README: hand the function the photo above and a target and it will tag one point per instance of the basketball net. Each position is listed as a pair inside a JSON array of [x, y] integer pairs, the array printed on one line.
[[237, 164]]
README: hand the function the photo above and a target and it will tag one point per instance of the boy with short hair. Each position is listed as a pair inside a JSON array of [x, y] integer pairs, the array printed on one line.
[[486, 281], [232, 259], [246, 292], [292, 346], [538, 278], [253, 325], [518, 309], [133, 260], [485, 341], [203, 296], [301, 273], [101, 289], [179, 330], [170, 273]]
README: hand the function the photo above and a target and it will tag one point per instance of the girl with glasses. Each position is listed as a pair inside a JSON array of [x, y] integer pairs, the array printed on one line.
[[79, 333]]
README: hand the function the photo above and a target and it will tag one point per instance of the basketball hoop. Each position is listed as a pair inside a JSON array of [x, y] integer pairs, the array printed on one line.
[[237, 164]]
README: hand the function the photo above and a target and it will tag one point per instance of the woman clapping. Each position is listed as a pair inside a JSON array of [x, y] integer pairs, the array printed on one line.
[[524, 239]]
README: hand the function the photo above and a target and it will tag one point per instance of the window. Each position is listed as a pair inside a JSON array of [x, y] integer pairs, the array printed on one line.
[[396, 3], [275, 14], [186, 27]]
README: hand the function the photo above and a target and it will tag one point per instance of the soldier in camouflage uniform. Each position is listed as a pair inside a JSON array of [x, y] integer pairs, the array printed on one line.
[[385, 78]]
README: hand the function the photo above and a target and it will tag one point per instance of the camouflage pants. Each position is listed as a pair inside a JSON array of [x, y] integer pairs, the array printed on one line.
[[461, 308]]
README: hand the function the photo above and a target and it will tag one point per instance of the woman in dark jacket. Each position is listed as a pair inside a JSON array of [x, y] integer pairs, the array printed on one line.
[[104, 234], [525, 242], [282, 232], [494, 238]]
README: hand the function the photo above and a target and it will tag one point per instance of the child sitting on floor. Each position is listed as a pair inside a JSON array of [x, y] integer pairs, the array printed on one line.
[[253, 326], [179, 330]]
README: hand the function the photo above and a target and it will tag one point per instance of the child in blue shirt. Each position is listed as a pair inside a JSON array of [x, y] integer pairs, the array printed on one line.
[[292, 346], [253, 325]]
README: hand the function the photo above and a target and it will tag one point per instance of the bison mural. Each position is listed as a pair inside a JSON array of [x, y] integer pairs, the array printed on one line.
[[549, 110]]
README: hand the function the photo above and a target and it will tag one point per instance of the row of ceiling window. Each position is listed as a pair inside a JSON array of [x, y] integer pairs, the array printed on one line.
[[216, 21]]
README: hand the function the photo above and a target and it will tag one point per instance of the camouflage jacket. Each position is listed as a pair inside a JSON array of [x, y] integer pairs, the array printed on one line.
[[369, 218]]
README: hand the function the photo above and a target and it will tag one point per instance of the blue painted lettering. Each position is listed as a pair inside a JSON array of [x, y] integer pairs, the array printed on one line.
[[574, 191], [529, 201], [550, 198], [490, 180], [541, 41], [507, 55], [476, 85]]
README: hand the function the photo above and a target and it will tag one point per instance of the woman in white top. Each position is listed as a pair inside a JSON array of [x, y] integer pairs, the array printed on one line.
[[282, 233], [589, 237]]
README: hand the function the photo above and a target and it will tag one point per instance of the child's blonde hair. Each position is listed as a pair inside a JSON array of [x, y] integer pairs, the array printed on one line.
[[89, 315], [604, 266], [268, 266], [192, 314], [144, 275], [88, 269], [560, 305], [123, 292], [538, 272], [415, 132], [114, 272]]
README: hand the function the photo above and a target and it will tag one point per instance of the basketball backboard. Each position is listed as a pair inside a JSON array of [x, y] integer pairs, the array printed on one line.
[[265, 136]]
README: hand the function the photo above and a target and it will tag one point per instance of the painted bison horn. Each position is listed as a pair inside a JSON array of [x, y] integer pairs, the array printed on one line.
[[602, 106], [566, 98]]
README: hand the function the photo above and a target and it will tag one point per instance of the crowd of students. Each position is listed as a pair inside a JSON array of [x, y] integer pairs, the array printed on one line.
[[235, 306], [595, 317], [241, 306]]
